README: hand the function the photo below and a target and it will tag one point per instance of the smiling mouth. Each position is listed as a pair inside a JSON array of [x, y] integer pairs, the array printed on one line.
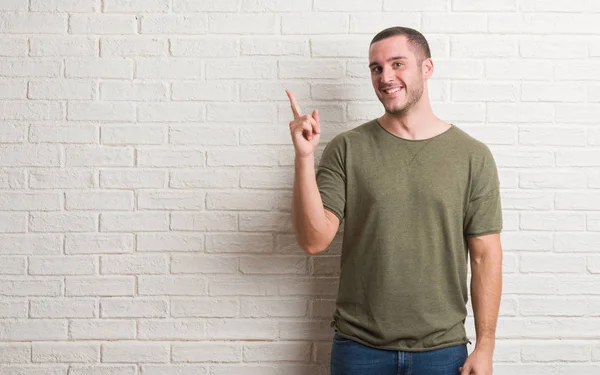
[[392, 90]]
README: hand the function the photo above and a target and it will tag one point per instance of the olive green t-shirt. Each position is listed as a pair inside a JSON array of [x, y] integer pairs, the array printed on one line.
[[408, 206]]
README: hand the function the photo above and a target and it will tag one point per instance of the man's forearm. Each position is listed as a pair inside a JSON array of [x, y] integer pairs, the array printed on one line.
[[308, 215], [486, 291]]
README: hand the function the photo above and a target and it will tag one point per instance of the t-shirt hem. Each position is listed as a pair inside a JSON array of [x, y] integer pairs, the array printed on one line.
[[483, 233], [334, 211], [403, 348]]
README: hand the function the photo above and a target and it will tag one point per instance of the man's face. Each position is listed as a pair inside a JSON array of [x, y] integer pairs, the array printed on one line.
[[396, 74]]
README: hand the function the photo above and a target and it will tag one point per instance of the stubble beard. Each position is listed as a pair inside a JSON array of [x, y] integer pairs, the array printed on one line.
[[400, 110]]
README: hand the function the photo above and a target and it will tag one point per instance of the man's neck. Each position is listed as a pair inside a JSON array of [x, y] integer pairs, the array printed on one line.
[[414, 126]]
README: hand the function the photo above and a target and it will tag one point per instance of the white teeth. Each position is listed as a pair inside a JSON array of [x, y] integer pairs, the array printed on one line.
[[394, 90]]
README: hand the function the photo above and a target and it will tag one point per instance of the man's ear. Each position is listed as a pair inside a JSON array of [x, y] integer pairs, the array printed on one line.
[[427, 68]]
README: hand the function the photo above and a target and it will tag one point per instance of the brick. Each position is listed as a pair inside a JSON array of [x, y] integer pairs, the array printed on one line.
[[170, 330], [102, 370], [231, 23], [30, 68], [310, 69], [33, 23], [194, 135], [576, 242], [64, 134], [593, 222], [128, 91], [533, 112], [102, 24], [99, 68], [492, 92], [288, 352], [576, 113], [250, 113], [554, 221], [553, 136], [273, 265], [13, 201], [14, 46], [558, 6], [134, 222], [204, 307], [274, 47], [193, 24], [555, 351], [30, 288], [205, 6], [170, 200], [203, 91], [65, 352], [133, 47], [32, 110], [372, 23], [101, 111], [133, 308], [279, 178], [133, 134], [426, 5], [519, 200], [346, 91], [105, 329], [527, 284], [241, 329], [63, 222], [13, 266], [552, 24], [454, 23], [13, 222], [96, 156], [171, 285], [519, 70], [103, 286], [204, 222], [134, 352], [172, 111], [554, 180], [52, 178], [14, 5], [241, 201], [517, 158], [265, 135], [33, 330], [133, 265], [207, 352], [553, 49], [248, 370], [60, 265], [173, 369], [324, 23], [273, 91], [204, 264], [319, 330], [554, 264], [77, 6], [245, 286], [30, 244], [63, 308], [203, 178], [98, 243], [169, 242], [135, 6], [13, 90], [132, 178], [493, 135], [474, 5], [57, 46], [13, 308], [577, 200], [579, 158], [15, 353], [244, 156], [240, 70], [468, 46], [274, 308]]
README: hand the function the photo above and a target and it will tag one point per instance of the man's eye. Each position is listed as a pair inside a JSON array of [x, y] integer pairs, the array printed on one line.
[[398, 64], [376, 70]]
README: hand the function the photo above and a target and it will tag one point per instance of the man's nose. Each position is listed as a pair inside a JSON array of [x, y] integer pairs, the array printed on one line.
[[387, 75]]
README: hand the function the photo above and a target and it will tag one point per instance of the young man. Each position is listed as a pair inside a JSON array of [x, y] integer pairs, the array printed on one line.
[[419, 197]]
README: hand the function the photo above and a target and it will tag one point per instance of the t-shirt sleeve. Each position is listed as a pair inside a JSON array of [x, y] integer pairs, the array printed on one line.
[[484, 209], [331, 177]]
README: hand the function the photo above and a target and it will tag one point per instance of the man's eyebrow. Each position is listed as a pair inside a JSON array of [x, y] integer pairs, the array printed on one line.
[[390, 59]]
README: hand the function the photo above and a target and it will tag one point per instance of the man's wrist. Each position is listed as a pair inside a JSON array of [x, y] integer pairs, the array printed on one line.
[[485, 344]]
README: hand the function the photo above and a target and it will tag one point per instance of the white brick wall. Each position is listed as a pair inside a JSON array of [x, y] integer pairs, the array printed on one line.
[[146, 172]]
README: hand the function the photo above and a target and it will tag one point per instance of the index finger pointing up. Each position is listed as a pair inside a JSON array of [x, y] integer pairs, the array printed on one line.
[[295, 108]]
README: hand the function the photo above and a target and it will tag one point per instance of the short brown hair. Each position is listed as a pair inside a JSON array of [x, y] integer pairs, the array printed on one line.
[[415, 39]]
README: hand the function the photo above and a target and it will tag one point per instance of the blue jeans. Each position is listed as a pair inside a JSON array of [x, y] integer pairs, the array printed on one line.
[[351, 358]]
